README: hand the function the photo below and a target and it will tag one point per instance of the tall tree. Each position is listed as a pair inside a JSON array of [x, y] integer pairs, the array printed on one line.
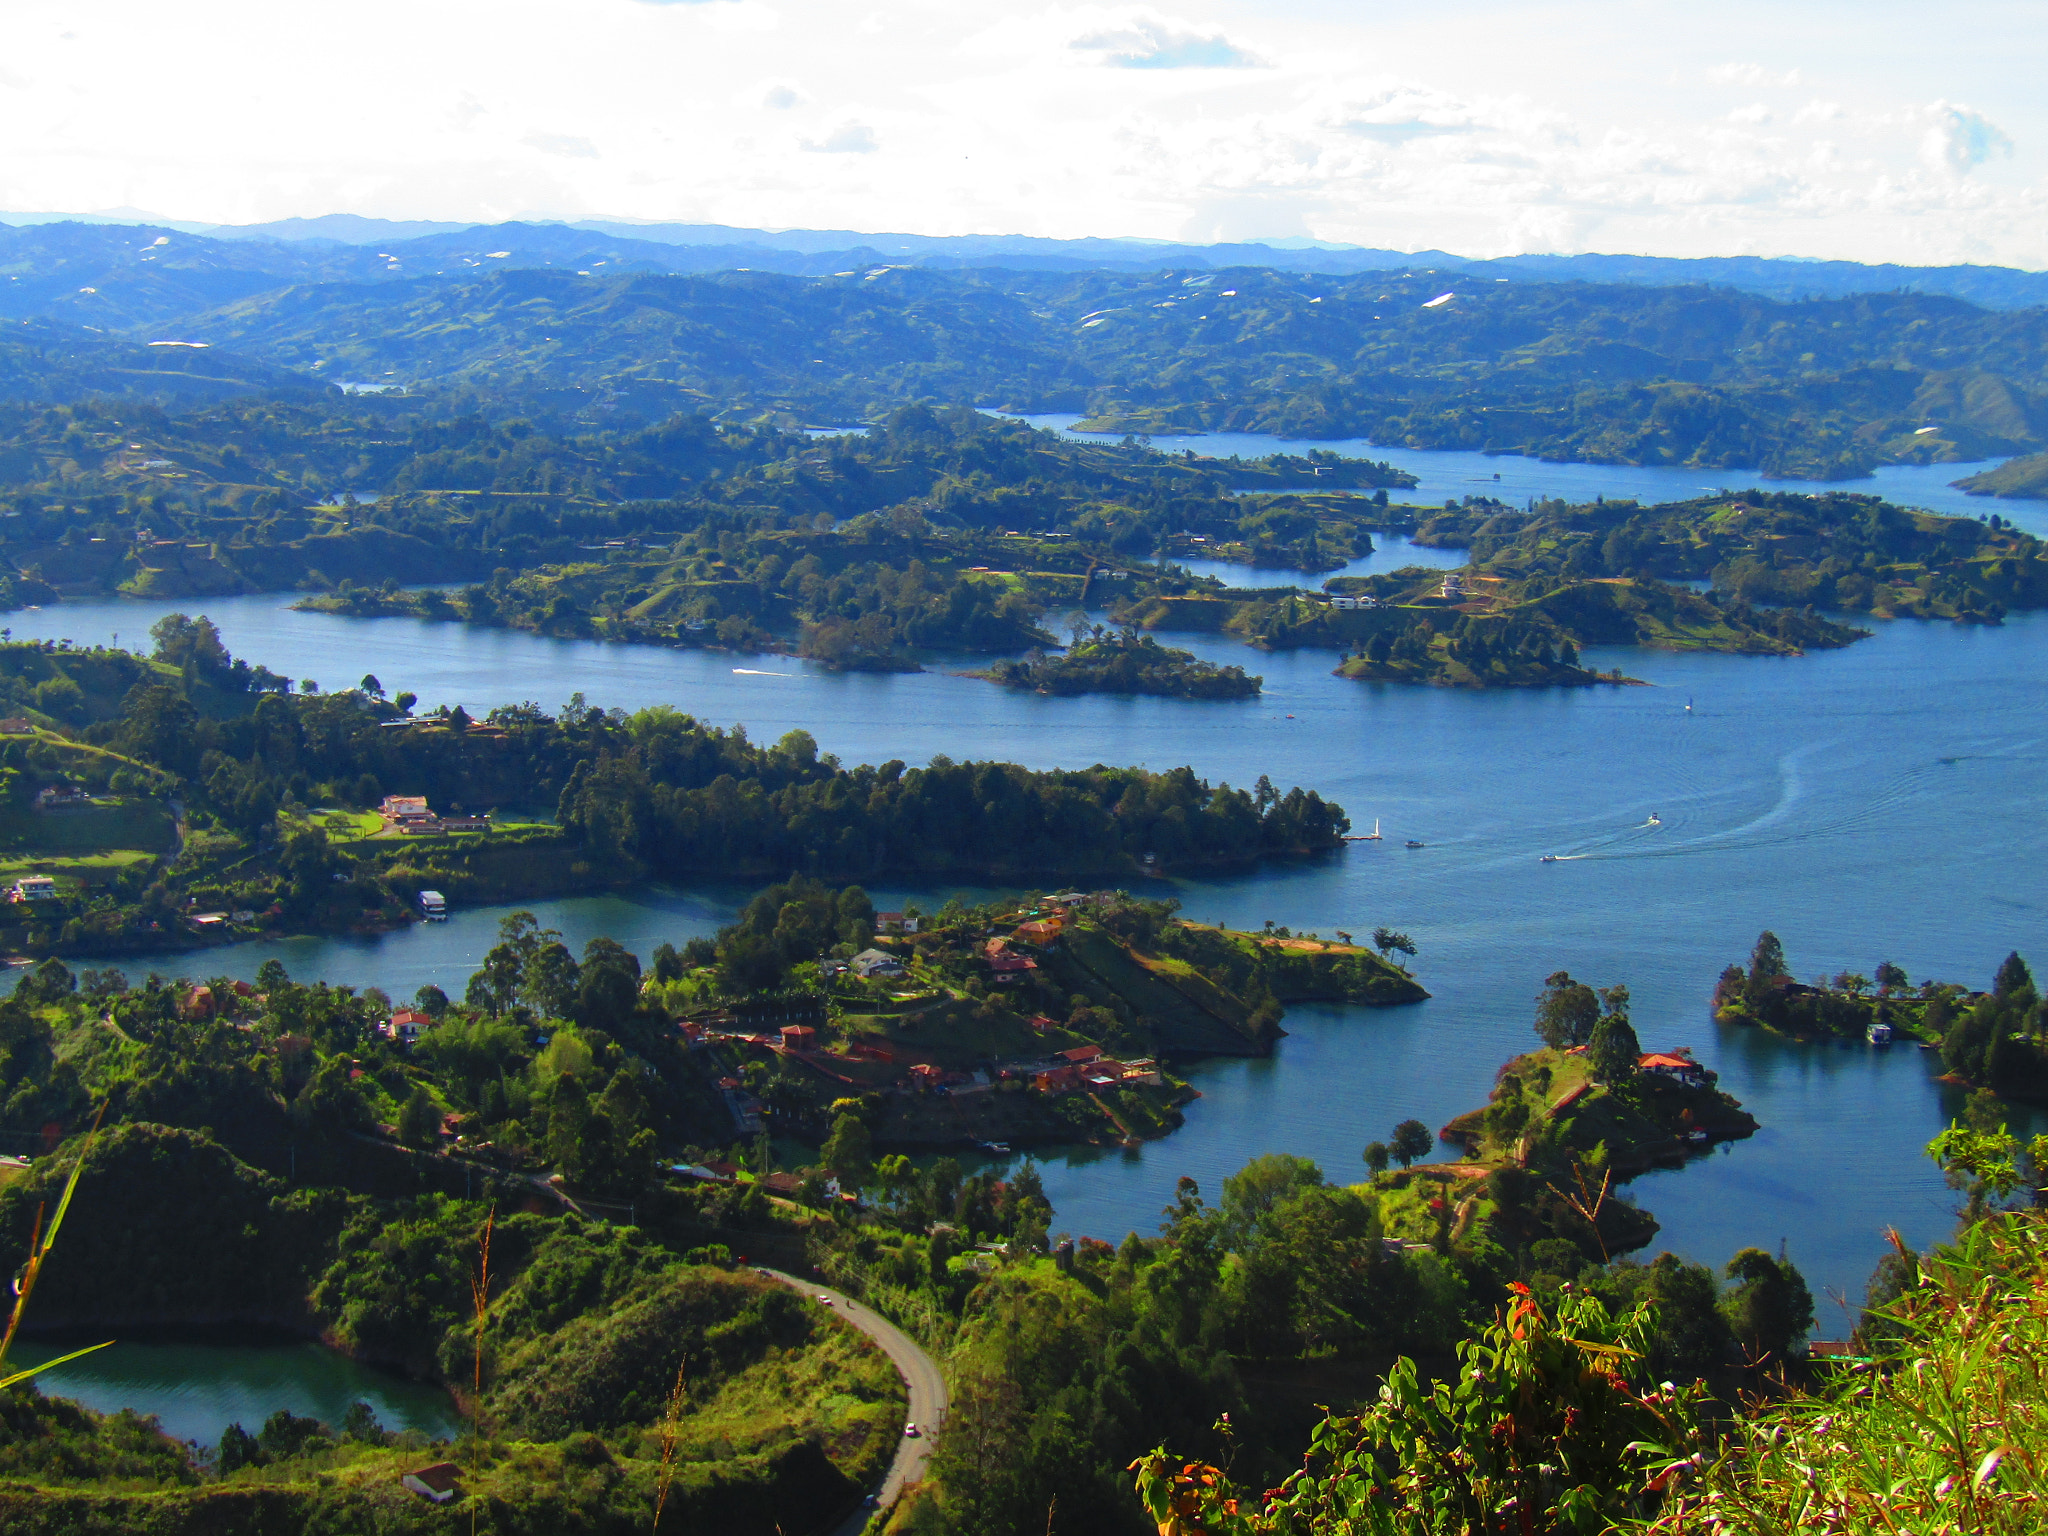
[[1566, 1011], [1411, 1140]]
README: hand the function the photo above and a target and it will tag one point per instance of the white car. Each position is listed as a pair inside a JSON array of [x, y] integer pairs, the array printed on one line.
[[911, 1432], [824, 1301]]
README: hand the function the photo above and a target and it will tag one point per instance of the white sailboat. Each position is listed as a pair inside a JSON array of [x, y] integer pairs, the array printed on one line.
[[1374, 835]]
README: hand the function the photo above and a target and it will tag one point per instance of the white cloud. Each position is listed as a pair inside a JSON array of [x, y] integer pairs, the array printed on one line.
[[1361, 123], [568, 145], [852, 139], [1151, 43], [1750, 74], [1960, 140]]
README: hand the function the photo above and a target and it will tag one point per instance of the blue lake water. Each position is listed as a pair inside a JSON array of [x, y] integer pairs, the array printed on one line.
[[196, 1388], [1444, 475], [1883, 802]]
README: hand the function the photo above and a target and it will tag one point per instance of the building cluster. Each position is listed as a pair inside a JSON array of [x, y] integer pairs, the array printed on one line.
[[411, 814]]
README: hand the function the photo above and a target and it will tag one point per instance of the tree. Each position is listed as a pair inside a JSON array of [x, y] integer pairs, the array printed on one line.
[[371, 686], [2013, 979], [1389, 940], [1411, 1141], [1770, 1309], [1566, 1011], [419, 1119], [405, 702], [431, 1001], [1377, 1156], [1767, 960], [1890, 978], [849, 1152], [1614, 1050], [271, 976]]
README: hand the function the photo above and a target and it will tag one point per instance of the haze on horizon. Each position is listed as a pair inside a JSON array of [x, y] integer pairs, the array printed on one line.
[[1873, 131]]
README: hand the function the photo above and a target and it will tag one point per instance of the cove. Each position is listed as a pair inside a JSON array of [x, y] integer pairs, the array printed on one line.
[[199, 1384], [1885, 801]]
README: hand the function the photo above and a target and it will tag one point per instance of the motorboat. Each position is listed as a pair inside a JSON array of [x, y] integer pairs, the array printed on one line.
[[1548, 858], [1411, 843]]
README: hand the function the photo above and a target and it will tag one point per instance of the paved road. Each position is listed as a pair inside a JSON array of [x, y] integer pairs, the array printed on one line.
[[920, 1374]]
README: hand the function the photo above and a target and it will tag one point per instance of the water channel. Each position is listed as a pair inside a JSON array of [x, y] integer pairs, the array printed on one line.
[[1880, 802], [196, 1386]]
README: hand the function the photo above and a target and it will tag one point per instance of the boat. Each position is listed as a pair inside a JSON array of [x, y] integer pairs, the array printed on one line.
[[1654, 821], [1879, 1034], [1548, 858], [1688, 706], [1374, 835], [1411, 843]]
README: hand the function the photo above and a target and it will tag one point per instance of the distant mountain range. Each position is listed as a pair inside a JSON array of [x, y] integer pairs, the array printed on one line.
[[1588, 358], [349, 246]]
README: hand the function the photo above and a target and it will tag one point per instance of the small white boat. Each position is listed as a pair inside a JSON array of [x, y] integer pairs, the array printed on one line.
[[1374, 835], [1548, 858], [1654, 821], [1879, 1034], [1411, 843]]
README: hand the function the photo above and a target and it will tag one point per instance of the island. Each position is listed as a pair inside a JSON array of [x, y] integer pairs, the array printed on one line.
[[1055, 1019], [1122, 660]]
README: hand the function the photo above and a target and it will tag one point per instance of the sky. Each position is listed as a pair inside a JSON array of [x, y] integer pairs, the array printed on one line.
[[1873, 130]]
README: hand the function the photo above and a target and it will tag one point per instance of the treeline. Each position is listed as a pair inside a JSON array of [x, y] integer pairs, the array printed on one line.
[[1995, 1039]]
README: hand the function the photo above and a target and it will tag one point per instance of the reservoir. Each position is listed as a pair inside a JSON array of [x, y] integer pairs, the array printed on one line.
[[197, 1387], [1882, 802]]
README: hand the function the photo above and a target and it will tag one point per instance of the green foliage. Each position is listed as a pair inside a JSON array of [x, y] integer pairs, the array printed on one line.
[[1123, 661], [1550, 1425]]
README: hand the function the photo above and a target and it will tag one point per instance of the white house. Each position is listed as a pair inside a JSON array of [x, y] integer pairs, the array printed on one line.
[[894, 922], [874, 962]]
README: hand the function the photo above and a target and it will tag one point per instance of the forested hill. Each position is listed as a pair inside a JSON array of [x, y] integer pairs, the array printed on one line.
[[1613, 372]]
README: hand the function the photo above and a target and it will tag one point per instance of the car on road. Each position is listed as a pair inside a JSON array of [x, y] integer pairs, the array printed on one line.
[[824, 1301], [911, 1432]]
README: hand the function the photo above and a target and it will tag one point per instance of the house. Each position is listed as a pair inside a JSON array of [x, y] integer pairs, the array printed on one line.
[[15, 725], [62, 797], [926, 1074], [406, 1025], [1041, 1023], [799, 1037], [197, 1004], [436, 1482], [1006, 968], [407, 812], [894, 922], [1043, 930], [34, 888], [875, 962], [1676, 1065], [1057, 1079], [784, 1184], [1081, 1055], [1145, 1071], [1343, 604]]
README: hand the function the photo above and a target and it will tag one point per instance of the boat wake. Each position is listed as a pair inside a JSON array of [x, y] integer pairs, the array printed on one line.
[[752, 672]]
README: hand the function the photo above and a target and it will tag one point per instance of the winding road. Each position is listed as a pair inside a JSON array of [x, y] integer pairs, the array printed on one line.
[[920, 1375]]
